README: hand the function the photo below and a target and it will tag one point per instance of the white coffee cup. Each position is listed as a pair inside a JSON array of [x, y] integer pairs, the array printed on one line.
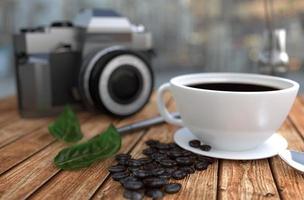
[[229, 120]]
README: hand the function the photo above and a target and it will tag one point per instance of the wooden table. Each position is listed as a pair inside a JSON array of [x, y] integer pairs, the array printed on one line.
[[27, 170]]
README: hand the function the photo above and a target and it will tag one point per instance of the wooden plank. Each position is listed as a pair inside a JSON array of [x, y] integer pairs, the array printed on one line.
[[28, 176], [246, 180], [19, 128], [16, 152], [40, 166], [8, 103], [86, 181], [301, 98], [290, 182], [8, 111], [205, 181], [297, 116], [7, 117]]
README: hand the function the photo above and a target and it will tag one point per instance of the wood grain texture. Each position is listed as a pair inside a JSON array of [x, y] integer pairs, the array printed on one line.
[[246, 180], [7, 117], [8, 111], [205, 180], [297, 116], [8, 104], [26, 162], [290, 182], [44, 169], [16, 152], [19, 182], [86, 181], [19, 128], [25, 178]]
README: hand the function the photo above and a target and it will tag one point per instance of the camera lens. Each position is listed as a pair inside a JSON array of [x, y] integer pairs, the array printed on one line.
[[119, 81], [125, 84]]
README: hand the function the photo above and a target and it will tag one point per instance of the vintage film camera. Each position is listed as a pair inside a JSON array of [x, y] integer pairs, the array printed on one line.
[[101, 60]]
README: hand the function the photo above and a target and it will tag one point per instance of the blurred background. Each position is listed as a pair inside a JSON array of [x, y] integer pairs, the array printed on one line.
[[189, 36]]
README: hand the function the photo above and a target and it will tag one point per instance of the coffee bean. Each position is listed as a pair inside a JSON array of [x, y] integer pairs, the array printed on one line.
[[172, 188], [162, 146], [117, 168], [172, 145], [205, 159], [123, 162], [157, 171], [158, 156], [205, 147], [144, 160], [150, 174], [132, 169], [195, 143], [140, 173], [152, 142], [193, 157], [133, 185], [119, 175], [184, 161], [163, 151], [168, 163], [149, 151], [186, 153], [154, 182], [174, 153], [179, 174], [188, 169], [133, 195], [122, 156], [129, 178], [170, 170], [201, 166], [150, 166], [165, 176], [176, 148], [155, 194], [134, 163]]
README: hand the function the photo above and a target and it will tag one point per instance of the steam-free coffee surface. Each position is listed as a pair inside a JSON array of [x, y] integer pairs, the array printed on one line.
[[233, 87]]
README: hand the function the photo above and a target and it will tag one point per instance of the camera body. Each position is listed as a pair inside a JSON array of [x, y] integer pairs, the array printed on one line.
[[100, 60]]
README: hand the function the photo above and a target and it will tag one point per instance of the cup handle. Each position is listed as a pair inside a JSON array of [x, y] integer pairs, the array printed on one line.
[[162, 107]]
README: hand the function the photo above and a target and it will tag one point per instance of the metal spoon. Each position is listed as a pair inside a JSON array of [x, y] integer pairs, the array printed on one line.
[[295, 159], [144, 123]]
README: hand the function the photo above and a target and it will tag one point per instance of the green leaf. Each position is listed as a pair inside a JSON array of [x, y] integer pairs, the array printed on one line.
[[83, 155], [66, 127]]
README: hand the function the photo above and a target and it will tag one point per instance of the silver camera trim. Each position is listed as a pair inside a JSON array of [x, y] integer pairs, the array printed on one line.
[[89, 67]]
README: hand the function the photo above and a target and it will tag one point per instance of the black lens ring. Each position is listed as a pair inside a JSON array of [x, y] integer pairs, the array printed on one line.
[[139, 89], [97, 70]]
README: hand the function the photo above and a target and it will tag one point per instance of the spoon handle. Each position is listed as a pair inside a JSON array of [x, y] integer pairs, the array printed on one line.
[[144, 123]]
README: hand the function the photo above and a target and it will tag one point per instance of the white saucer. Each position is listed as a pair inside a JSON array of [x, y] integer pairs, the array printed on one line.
[[269, 148]]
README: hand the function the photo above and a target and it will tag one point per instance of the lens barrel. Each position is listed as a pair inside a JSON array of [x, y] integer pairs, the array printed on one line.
[[119, 82]]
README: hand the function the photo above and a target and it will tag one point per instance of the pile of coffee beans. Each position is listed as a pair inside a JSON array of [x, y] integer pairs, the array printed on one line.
[[197, 144], [151, 175]]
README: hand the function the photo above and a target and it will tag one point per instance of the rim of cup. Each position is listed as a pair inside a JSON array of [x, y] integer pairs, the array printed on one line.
[[283, 84]]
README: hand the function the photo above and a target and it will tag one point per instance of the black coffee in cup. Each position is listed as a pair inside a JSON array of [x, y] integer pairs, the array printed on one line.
[[233, 87]]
